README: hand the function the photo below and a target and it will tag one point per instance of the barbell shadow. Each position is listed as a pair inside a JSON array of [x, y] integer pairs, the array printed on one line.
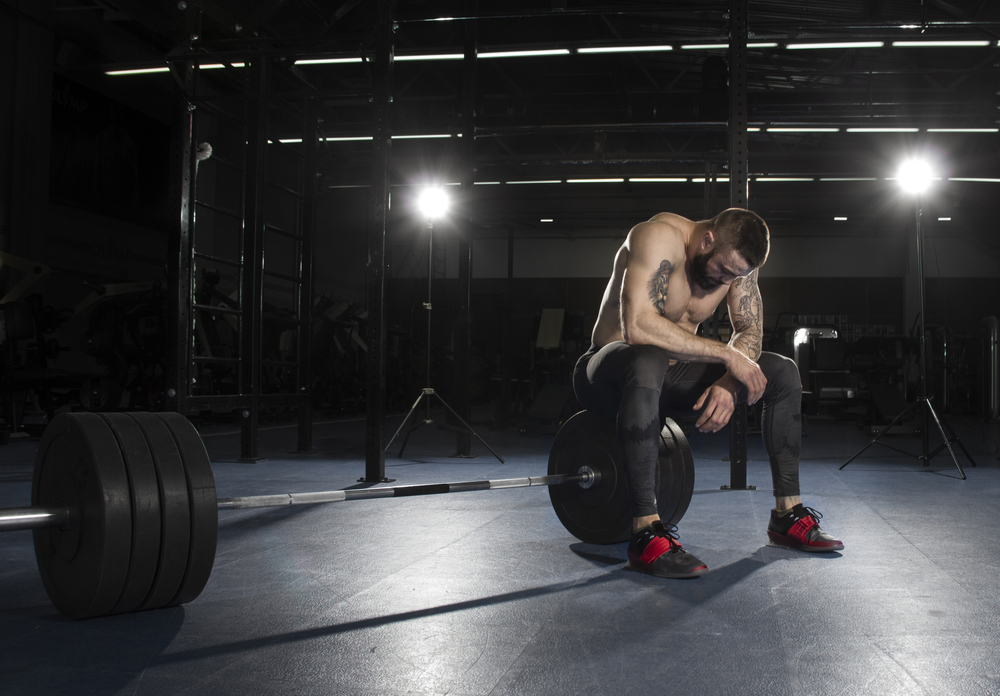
[[377, 621]]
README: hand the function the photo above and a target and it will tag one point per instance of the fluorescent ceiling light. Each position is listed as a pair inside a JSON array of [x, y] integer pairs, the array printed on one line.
[[546, 220], [882, 130], [715, 47], [348, 138], [137, 71], [417, 137], [289, 140], [963, 130], [838, 44], [624, 49], [664, 180], [918, 44], [522, 54], [984, 181], [850, 178], [546, 181], [216, 66], [944, 219], [840, 219], [430, 56], [783, 178], [319, 61], [487, 183], [701, 180], [594, 181], [802, 130]]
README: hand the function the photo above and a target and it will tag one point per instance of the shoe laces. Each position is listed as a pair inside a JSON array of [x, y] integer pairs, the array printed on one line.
[[811, 512], [668, 531]]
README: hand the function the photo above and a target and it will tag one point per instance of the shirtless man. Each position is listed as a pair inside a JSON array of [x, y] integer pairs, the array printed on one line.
[[646, 361]]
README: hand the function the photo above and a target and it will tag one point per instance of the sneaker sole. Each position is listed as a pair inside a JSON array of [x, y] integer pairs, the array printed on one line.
[[790, 543], [640, 567]]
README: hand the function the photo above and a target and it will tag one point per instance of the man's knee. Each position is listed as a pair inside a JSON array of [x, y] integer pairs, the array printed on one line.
[[782, 373]]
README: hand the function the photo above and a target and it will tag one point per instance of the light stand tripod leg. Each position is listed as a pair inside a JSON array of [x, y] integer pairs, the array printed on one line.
[[944, 435], [401, 425], [880, 434], [467, 427], [952, 437]]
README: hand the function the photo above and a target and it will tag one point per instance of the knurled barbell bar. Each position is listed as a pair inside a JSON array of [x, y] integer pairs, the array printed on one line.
[[125, 516]]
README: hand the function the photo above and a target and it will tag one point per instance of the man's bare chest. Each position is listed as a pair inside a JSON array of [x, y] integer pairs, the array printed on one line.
[[688, 309]]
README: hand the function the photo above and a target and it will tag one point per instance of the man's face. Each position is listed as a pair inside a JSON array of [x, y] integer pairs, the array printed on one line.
[[718, 267]]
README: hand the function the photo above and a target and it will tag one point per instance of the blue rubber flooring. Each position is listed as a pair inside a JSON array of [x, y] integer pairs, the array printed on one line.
[[486, 593]]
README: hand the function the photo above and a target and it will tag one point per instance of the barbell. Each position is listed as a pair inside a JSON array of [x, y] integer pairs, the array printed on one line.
[[125, 516]]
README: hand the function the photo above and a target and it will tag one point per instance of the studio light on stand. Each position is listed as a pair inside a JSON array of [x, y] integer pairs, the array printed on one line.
[[915, 178], [433, 204]]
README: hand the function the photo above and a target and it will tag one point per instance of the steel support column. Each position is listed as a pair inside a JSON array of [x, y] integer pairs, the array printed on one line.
[[463, 324], [179, 252], [738, 198], [376, 271], [310, 143], [252, 252]]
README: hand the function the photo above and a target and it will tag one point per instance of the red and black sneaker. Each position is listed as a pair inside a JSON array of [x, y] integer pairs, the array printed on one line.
[[655, 550], [799, 529]]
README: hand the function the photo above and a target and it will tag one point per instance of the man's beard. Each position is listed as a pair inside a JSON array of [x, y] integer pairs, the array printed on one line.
[[699, 271]]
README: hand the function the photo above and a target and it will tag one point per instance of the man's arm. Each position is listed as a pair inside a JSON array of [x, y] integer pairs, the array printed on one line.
[[655, 253], [746, 312], [718, 402]]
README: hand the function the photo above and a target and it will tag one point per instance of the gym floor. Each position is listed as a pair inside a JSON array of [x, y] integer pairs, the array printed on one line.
[[486, 593]]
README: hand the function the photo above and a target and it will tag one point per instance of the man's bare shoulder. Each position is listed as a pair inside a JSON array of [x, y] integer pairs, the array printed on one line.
[[665, 233]]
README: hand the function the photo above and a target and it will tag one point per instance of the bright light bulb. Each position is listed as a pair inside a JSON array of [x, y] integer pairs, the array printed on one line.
[[433, 202], [915, 176]]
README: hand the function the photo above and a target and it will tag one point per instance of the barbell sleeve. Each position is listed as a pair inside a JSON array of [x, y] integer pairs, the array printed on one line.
[[18, 518]]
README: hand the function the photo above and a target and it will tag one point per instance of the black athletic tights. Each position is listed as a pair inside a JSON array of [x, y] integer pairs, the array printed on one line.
[[638, 386]]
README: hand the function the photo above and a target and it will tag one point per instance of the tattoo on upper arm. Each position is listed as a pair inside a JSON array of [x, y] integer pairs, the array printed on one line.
[[748, 318], [658, 286]]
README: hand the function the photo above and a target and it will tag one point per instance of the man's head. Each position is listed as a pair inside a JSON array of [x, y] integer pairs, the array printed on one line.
[[735, 242], [744, 232]]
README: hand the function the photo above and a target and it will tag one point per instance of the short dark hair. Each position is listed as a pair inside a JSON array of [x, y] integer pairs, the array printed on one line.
[[744, 231]]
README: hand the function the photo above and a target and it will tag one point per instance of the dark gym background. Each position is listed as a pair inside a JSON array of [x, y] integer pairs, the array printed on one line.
[[208, 206]]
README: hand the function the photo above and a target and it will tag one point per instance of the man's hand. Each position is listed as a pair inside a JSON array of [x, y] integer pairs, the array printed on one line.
[[749, 373], [719, 402]]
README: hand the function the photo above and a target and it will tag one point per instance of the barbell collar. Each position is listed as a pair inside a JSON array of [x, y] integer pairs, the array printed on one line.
[[19, 518]]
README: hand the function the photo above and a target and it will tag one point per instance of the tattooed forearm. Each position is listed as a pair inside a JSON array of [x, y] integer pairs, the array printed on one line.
[[658, 286], [748, 320]]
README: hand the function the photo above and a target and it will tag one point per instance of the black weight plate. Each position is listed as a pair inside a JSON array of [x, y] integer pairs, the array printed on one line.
[[175, 511], [600, 514], [204, 506], [85, 565], [146, 523], [675, 474]]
